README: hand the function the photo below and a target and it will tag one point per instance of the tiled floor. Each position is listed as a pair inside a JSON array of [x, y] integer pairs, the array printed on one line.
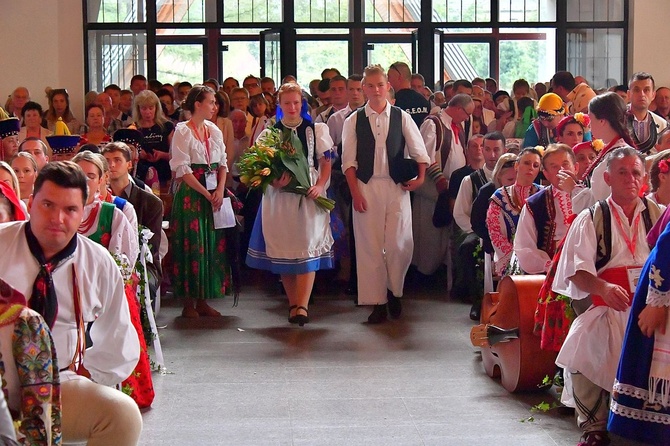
[[250, 378]]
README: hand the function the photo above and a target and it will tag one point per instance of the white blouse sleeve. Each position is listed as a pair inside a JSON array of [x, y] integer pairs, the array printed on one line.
[[531, 259], [218, 147], [180, 156], [428, 133], [324, 142], [124, 240], [463, 205], [579, 254]]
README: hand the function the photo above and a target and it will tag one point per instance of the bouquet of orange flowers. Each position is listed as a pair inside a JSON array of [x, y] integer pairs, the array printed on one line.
[[272, 155]]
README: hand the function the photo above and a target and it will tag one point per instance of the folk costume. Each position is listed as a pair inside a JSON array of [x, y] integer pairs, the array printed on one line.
[[445, 145], [86, 286], [592, 347], [594, 179], [537, 134], [115, 238], [468, 243], [645, 133], [640, 406], [29, 370], [502, 218], [467, 193], [543, 222], [374, 144], [542, 227], [201, 267], [291, 235]]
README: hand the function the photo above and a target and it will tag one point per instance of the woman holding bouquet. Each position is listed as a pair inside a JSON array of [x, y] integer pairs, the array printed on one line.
[[291, 235], [198, 158]]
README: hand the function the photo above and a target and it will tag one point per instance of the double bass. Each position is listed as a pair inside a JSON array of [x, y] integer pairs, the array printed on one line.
[[509, 348]]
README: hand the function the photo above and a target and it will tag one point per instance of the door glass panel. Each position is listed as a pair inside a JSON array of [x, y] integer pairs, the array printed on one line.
[[272, 55], [527, 10], [385, 54], [185, 11], [596, 54], [533, 60], [254, 11], [179, 62], [115, 11], [240, 59], [315, 55], [114, 57], [466, 60], [458, 11], [595, 10], [385, 11]]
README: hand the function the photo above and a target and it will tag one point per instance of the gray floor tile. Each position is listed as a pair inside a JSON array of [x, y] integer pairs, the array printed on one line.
[[251, 378]]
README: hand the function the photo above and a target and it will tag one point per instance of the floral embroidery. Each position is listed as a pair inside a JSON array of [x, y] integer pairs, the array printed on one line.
[[655, 275]]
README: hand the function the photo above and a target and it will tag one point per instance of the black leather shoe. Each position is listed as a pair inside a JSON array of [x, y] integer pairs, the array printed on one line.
[[378, 314], [475, 312], [301, 319], [291, 319], [395, 307]]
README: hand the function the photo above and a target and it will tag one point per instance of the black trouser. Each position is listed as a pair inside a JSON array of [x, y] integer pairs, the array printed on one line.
[[466, 284]]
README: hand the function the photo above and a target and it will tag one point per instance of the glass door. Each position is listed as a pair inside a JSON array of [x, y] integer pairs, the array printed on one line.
[[181, 60], [271, 54]]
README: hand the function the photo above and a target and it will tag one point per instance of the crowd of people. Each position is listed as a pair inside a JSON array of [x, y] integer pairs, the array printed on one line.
[[557, 179]]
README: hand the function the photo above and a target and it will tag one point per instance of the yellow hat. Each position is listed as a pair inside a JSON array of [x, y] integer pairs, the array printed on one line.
[[551, 103]]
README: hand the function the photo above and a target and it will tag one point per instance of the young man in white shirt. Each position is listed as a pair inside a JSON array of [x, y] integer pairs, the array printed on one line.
[[375, 140]]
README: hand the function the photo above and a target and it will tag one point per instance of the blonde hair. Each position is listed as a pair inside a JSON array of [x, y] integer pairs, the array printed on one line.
[[289, 87], [15, 180], [148, 98], [92, 158], [371, 70], [505, 161], [26, 155]]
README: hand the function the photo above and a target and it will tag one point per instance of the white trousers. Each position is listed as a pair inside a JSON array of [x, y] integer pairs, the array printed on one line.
[[383, 240]]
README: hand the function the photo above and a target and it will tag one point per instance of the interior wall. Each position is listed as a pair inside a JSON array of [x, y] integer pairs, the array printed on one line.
[[646, 44], [42, 46]]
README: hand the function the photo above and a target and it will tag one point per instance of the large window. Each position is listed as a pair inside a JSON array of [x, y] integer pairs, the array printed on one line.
[[505, 39]]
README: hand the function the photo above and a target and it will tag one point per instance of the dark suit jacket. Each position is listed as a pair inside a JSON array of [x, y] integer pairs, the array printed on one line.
[[149, 209]]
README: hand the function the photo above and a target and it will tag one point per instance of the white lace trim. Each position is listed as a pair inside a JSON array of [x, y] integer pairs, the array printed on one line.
[[636, 392], [637, 414], [657, 298]]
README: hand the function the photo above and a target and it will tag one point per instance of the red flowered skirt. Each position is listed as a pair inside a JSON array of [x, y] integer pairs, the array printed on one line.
[[139, 384], [552, 320], [201, 267]]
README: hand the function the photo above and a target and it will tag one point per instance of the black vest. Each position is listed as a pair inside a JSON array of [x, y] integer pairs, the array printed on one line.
[[542, 208], [365, 147]]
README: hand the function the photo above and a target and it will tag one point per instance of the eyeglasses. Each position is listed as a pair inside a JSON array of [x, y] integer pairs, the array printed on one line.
[[546, 118]]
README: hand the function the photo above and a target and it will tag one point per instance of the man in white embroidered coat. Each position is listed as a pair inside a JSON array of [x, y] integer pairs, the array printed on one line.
[[72, 281], [431, 243], [590, 353]]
